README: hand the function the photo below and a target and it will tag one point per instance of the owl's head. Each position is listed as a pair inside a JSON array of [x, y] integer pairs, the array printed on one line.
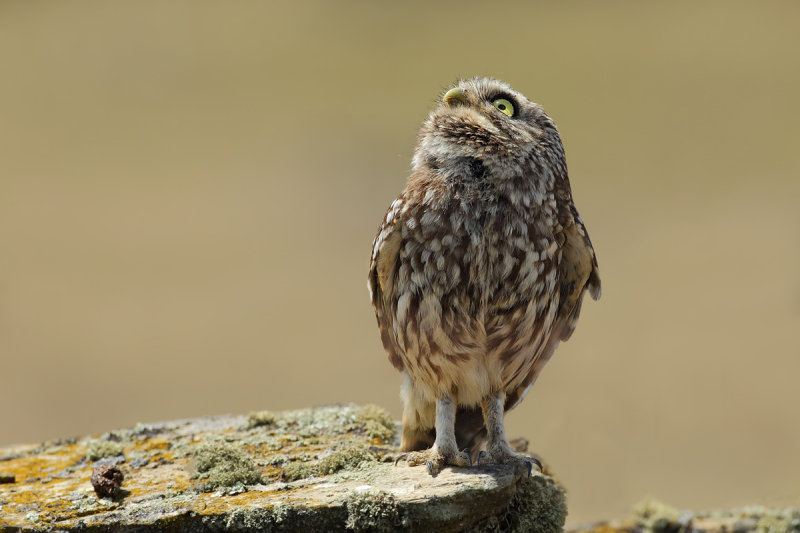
[[484, 124]]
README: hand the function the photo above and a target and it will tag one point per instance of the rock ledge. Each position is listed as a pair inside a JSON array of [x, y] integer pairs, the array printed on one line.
[[322, 469]]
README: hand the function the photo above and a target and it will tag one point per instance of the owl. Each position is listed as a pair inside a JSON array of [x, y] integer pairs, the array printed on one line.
[[477, 272]]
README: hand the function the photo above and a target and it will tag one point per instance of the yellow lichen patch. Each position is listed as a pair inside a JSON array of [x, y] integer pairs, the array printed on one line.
[[156, 449], [210, 503], [155, 444], [58, 470], [52, 482], [40, 465]]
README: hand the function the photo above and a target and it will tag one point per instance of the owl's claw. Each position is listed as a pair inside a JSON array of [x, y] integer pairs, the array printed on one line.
[[434, 459], [464, 453], [432, 469], [507, 457]]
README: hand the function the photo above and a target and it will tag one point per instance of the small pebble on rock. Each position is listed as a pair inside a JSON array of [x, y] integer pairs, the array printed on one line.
[[107, 480]]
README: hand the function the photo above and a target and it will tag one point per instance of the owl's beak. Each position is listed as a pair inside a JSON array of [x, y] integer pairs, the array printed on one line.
[[455, 96]]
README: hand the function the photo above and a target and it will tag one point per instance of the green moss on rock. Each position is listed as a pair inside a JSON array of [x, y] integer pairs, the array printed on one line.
[[375, 422], [369, 420], [774, 520], [100, 449], [222, 466], [299, 470], [349, 457], [249, 520], [374, 511], [261, 418], [538, 506], [655, 515]]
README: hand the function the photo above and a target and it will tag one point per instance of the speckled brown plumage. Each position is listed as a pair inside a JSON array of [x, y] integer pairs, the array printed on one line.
[[478, 269]]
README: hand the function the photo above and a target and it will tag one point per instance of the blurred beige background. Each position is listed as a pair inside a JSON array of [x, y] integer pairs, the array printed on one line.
[[189, 191]]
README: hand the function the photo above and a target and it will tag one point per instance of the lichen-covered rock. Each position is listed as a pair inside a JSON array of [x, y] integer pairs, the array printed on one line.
[[322, 469], [375, 511], [222, 467], [538, 506], [653, 516], [100, 449]]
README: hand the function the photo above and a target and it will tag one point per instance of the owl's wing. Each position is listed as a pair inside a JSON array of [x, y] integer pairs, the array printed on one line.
[[382, 269], [577, 273]]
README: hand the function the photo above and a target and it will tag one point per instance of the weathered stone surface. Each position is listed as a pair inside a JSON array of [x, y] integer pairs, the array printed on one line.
[[656, 517], [324, 469]]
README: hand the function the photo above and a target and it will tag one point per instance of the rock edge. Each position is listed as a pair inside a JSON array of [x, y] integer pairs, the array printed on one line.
[[230, 472]]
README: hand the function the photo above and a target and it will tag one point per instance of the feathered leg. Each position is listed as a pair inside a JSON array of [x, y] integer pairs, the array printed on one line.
[[444, 450], [498, 450]]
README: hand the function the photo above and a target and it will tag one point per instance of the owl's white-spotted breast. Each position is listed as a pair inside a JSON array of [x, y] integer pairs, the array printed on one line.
[[478, 271]]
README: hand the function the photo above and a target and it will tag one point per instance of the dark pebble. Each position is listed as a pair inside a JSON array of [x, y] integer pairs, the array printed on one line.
[[107, 480]]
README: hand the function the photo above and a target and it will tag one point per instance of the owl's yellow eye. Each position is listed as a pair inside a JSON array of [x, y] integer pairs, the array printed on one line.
[[504, 106]]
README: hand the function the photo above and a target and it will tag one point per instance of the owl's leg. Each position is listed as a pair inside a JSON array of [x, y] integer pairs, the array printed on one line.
[[444, 450], [498, 450]]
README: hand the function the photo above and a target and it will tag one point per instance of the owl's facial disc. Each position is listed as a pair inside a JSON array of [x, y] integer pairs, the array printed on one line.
[[485, 121]]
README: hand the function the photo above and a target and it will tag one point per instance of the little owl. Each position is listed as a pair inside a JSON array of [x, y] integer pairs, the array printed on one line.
[[478, 271]]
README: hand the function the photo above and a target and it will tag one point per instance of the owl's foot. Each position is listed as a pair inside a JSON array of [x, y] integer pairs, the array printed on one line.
[[434, 459], [501, 455]]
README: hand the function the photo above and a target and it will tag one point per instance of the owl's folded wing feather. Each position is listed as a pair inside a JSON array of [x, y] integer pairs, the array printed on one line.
[[577, 273], [382, 268], [593, 284]]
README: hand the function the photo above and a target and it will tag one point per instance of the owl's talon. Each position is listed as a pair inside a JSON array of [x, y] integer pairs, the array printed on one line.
[[400, 458], [530, 461], [434, 459], [430, 466], [465, 456], [507, 457]]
